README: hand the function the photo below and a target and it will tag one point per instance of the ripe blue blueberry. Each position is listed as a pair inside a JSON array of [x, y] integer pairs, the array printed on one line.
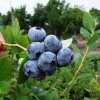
[[37, 34], [64, 57], [31, 69], [52, 43], [47, 62], [40, 90], [35, 50], [50, 73]]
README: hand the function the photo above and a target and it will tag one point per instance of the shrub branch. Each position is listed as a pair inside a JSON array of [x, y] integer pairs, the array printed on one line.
[[16, 45], [80, 66]]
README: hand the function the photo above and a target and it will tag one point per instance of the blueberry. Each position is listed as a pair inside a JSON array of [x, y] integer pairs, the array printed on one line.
[[37, 34], [40, 90], [64, 57], [50, 73], [47, 62], [35, 50], [31, 69], [52, 43], [12, 92], [35, 88]]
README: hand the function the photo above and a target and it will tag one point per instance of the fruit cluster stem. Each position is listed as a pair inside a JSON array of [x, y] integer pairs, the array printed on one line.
[[16, 45], [86, 52]]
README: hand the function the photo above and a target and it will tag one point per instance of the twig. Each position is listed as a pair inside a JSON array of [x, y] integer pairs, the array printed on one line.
[[75, 72], [16, 45]]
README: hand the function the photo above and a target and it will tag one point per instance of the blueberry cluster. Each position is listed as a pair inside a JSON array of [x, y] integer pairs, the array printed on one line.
[[40, 90], [45, 53]]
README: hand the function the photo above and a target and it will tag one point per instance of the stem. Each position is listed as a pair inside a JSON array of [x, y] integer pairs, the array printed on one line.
[[16, 45], [86, 52]]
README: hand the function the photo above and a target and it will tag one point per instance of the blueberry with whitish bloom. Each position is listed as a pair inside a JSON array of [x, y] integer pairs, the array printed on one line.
[[40, 90], [50, 73], [31, 69], [35, 50], [64, 57], [37, 34], [47, 62], [52, 43], [35, 88]]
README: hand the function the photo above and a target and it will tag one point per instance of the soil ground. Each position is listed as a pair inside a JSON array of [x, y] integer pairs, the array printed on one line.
[[82, 44]]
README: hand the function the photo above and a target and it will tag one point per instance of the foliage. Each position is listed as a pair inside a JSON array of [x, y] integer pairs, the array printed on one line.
[[23, 17], [6, 18], [39, 17], [56, 18], [73, 82], [96, 13], [54, 9], [21, 14], [72, 20]]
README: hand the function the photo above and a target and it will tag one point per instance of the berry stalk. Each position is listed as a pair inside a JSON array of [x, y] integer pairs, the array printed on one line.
[[16, 45]]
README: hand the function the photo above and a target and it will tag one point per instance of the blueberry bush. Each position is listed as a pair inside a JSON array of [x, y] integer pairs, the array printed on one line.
[[39, 67]]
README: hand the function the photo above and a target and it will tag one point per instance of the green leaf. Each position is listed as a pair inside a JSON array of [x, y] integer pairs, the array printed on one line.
[[98, 31], [72, 85], [6, 98], [1, 98], [9, 34], [50, 96], [29, 83], [25, 91], [16, 29], [4, 33], [85, 33], [13, 97], [42, 93], [78, 61], [82, 9], [18, 89], [23, 98], [93, 46], [83, 76], [92, 39], [5, 68], [4, 87], [89, 21], [21, 76], [66, 73], [23, 41], [75, 48], [85, 98], [22, 54]]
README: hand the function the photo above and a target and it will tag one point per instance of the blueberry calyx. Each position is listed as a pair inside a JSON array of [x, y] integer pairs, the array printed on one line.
[[29, 72], [38, 28], [52, 63], [38, 54]]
